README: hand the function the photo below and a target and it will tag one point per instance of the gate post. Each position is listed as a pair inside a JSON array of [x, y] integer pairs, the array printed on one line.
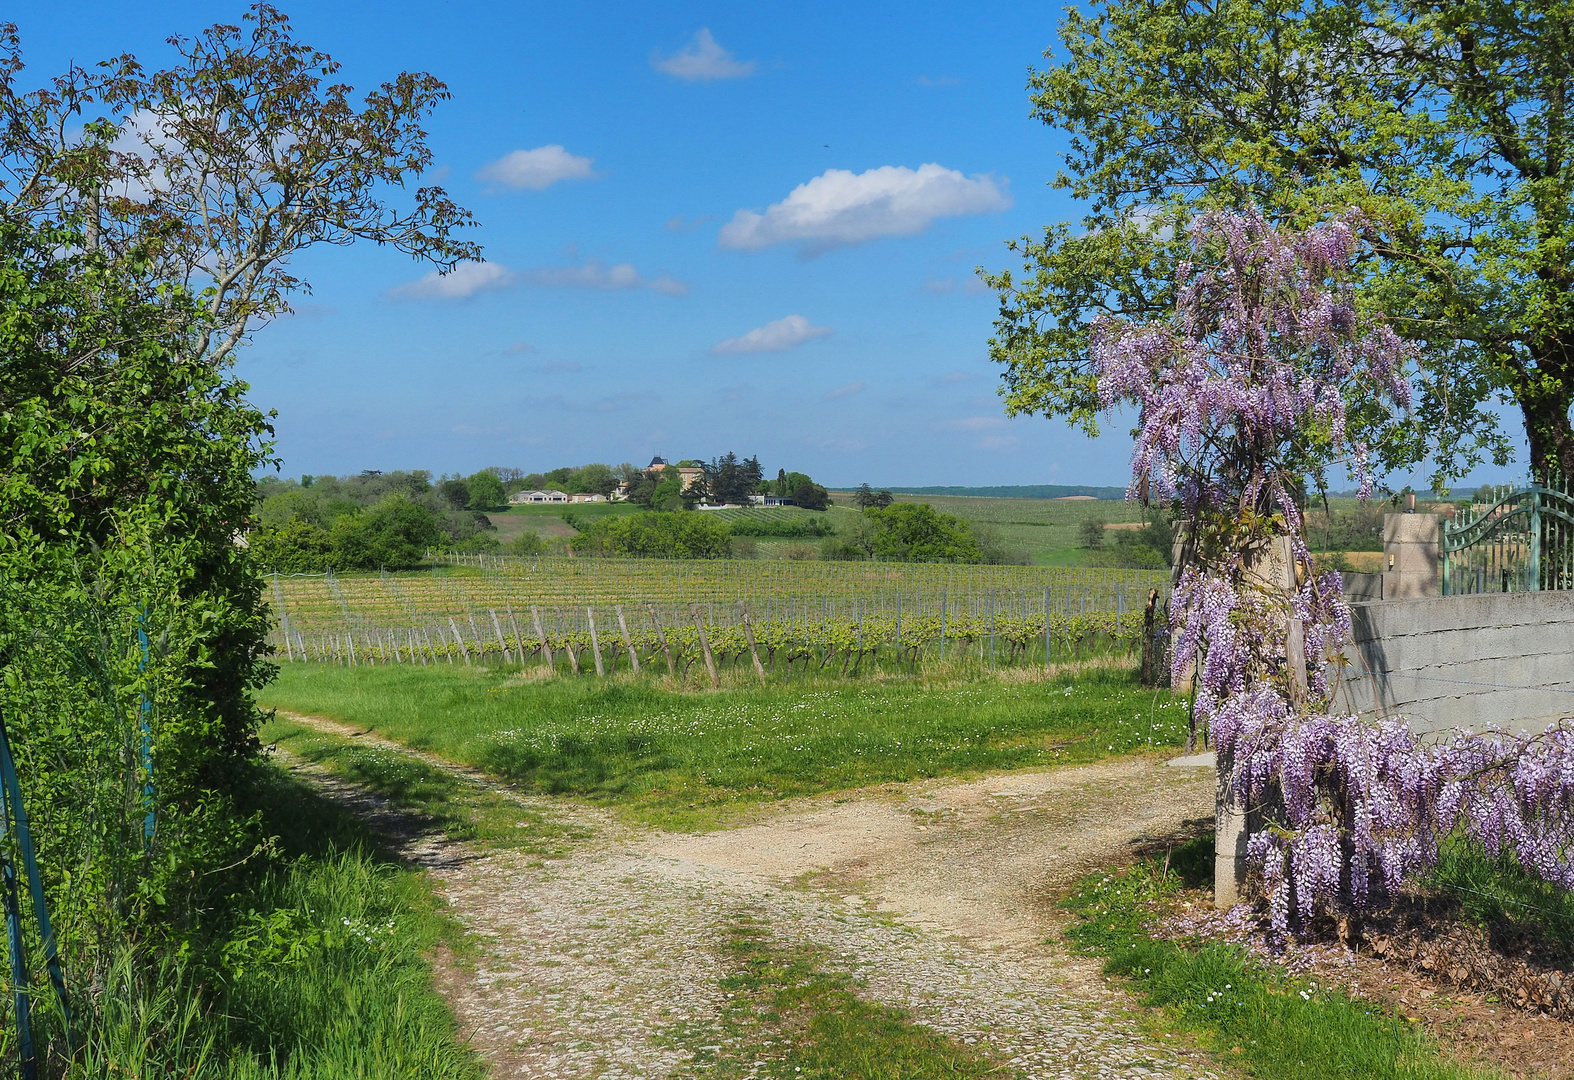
[[1411, 556]]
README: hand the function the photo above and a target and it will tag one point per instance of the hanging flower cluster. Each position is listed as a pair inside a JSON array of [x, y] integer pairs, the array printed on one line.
[[1241, 396]]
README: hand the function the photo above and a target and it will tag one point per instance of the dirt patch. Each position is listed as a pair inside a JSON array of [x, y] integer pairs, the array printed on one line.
[[934, 896]]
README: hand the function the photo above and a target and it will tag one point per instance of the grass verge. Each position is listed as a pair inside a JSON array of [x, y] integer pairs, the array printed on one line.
[[459, 808], [692, 760], [796, 1021], [1254, 1016]]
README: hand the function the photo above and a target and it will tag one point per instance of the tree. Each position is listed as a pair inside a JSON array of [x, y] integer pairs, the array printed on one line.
[[1239, 395], [485, 492], [1091, 533], [1445, 124], [866, 497], [454, 491], [808, 495], [215, 172], [595, 478], [917, 532], [728, 480], [394, 533], [295, 547]]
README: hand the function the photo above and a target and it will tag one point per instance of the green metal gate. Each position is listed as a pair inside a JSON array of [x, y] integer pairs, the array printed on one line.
[[1521, 541]]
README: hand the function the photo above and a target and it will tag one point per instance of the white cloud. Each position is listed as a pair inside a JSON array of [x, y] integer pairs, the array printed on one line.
[[669, 285], [776, 336], [702, 60], [977, 423], [841, 207], [537, 169], [595, 274], [844, 391], [464, 280], [519, 348]]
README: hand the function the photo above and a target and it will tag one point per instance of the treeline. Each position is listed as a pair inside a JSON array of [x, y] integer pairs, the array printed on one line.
[[371, 521]]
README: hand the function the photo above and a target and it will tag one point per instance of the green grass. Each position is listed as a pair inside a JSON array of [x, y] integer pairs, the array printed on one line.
[[324, 976], [455, 806], [1251, 1015], [796, 1021], [689, 759], [1499, 894]]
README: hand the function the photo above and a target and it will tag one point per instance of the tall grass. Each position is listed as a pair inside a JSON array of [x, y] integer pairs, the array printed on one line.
[[679, 758], [326, 976]]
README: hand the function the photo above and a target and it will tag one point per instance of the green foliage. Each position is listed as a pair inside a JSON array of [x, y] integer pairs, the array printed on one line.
[[773, 521], [1468, 200], [1091, 534], [807, 495], [919, 533], [296, 547], [1273, 1024], [675, 535], [485, 492], [394, 533], [682, 758]]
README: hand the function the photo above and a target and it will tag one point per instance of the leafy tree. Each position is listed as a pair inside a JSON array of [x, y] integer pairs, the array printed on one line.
[[656, 534], [297, 546], [728, 480], [918, 532], [866, 497], [1091, 534], [668, 493], [216, 172], [454, 491], [1445, 124], [595, 478], [395, 533], [809, 495], [485, 492]]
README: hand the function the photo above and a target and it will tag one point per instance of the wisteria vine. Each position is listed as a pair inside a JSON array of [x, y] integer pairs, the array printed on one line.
[[1242, 395]]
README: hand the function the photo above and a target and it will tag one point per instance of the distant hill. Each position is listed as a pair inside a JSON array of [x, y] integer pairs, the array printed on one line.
[[1016, 491]]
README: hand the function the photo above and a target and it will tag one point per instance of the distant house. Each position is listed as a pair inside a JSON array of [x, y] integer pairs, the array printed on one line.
[[523, 498], [769, 500], [586, 496], [689, 473]]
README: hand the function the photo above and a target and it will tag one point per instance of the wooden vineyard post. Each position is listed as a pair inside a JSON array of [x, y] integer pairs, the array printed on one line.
[[572, 649], [627, 641], [455, 627], [541, 636], [349, 637], [519, 639], [502, 645], [595, 644], [1046, 626], [991, 601], [661, 636], [942, 624], [710, 661], [748, 634], [1149, 621]]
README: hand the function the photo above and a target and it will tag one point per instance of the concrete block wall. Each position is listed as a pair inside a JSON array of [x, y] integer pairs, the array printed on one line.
[[1463, 661]]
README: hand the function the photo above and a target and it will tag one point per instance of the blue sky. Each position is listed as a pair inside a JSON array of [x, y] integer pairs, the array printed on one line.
[[708, 228]]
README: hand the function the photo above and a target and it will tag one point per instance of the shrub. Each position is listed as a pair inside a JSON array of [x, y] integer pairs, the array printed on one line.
[[396, 532], [661, 534], [919, 533], [295, 547]]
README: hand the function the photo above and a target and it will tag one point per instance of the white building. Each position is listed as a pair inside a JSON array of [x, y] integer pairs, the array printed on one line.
[[521, 498]]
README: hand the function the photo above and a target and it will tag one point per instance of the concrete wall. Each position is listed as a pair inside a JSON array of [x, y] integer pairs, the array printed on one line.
[[1463, 661]]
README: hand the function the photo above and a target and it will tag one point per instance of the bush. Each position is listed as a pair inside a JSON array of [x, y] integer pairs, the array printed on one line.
[[394, 533], [527, 543], [795, 527], [296, 547], [660, 534], [917, 532]]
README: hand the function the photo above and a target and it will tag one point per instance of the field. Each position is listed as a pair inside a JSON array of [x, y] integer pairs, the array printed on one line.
[[578, 611]]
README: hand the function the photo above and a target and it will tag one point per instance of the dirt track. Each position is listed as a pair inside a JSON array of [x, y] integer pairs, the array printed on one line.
[[937, 895]]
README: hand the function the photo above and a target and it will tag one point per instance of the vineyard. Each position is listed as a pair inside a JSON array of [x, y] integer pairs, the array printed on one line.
[[612, 615]]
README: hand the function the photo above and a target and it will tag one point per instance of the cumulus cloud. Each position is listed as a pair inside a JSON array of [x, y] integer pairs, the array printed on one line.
[[536, 169], [702, 60], [595, 274], [844, 391], [840, 207], [463, 281], [778, 336]]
